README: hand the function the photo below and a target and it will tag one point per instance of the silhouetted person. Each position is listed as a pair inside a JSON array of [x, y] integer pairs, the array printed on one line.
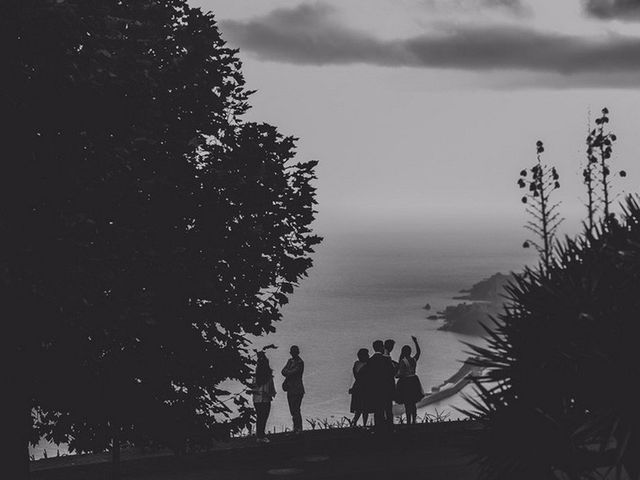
[[358, 392], [388, 348], [263, 391], [379, 385], [409, 389], [292, 372]]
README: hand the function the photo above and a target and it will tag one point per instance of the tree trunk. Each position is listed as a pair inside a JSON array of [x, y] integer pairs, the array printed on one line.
[[115, 455], [16, 434]]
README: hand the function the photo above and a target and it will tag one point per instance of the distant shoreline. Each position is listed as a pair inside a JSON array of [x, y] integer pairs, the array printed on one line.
[[486, 298]]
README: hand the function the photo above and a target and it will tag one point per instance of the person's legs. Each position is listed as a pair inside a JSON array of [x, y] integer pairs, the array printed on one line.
[[411, 412], [356, 417], [388, 412], [295, 401], [365, 419], [262, 414], [379, 419], [297, 420]]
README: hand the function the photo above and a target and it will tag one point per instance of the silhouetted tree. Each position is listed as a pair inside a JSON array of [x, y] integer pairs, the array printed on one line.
[[541, 180], [599, 152], [559, 394], [147, 228]]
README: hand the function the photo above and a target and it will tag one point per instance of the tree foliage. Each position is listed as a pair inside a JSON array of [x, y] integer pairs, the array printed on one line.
[[147, 227], [559, 394]]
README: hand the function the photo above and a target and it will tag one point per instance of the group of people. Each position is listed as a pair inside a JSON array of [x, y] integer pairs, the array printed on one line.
[[375, 387], [263, 390], [373, 392]]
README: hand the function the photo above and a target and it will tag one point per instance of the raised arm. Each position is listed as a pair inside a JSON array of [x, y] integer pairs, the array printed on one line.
[[418, 351]]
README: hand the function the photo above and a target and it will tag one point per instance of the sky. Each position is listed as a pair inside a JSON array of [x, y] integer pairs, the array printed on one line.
[[422, 112]]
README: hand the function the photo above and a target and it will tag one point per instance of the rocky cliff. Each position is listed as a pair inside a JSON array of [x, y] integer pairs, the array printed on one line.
[[487, 300]]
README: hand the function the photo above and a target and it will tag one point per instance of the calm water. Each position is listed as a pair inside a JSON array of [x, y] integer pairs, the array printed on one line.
[[367, 287]]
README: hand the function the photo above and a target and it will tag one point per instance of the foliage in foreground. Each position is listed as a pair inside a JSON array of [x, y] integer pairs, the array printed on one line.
[[559, 395], [148, 229]]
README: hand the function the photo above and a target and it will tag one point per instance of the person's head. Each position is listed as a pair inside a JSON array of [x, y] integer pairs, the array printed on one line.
[[405, 352], [294, 351], [263, 369], [378, 346], [389, 344], [363, 354]]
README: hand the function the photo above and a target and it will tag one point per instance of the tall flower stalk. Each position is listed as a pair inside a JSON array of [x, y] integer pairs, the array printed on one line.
[[597, 173], [589, 179], [541, 180]]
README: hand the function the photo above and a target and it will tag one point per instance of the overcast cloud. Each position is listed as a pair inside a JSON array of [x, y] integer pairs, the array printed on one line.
[[516, 7], [313, 34], [610, 9]]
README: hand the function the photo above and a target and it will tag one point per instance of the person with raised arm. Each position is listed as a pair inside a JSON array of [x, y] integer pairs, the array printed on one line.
[[409, 389]]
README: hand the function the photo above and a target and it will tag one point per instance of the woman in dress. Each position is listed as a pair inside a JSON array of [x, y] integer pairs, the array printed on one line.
[[263, 391], [409, 389], [358, 391]]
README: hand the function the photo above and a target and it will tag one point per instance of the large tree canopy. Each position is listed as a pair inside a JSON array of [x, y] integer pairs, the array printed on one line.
[[147, 227]]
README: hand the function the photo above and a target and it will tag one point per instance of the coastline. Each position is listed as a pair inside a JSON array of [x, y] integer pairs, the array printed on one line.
[[449, 387], [486, 302]]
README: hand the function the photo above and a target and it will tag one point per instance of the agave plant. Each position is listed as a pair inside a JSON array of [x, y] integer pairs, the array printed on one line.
[[559, 397], [598, 169], [540, 181]]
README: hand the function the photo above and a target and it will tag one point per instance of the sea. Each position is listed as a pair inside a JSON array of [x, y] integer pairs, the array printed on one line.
[[369, 286], [365, 288]]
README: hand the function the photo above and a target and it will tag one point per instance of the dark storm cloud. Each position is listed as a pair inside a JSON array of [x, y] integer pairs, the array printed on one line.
[[314, 35], [610, 9]]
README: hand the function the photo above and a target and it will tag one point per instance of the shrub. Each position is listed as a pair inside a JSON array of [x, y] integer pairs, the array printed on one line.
[[559, 392]]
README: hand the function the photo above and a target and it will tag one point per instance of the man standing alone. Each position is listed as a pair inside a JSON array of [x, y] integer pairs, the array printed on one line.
[[292, 372]]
